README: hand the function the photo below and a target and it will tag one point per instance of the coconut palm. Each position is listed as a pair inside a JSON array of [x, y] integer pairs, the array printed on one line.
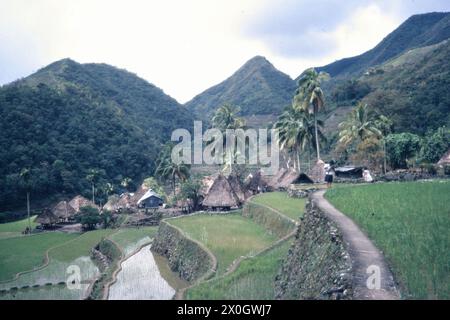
[[126, 182], [226, 118], [359, 126], [92, 177], [296, 131], [309, 96], [167, 169], [25, 175]]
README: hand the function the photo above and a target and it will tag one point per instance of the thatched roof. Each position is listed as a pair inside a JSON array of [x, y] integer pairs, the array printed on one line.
[[274, 181], [256, 182], [111, 205], [150, 193], [317, 173], [63, 210], [207, 183], [445, 160], [238, 188], [79, 202], [132, 200], [47, 217], [221, 194]]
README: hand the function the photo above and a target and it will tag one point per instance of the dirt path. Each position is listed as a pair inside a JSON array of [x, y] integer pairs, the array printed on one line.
[[365, 256]]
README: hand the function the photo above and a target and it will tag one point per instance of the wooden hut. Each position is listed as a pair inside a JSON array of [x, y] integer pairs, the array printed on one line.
[[47, 219], [150, 200], [64, 211], [80, 201], [221, 195]]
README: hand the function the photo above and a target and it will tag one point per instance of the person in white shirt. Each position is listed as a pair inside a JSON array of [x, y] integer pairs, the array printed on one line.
[[367, 176]]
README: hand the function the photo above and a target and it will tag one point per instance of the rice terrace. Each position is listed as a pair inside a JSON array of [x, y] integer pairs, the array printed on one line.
[[331, 182]]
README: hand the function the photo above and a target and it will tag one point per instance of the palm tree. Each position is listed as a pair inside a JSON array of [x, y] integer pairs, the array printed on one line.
[[309, 96], [226, 117], [167, 169], [25, 175], [296, 131], [359, 126], [384, 125], [108, 188], [126, 182], [92, 177]]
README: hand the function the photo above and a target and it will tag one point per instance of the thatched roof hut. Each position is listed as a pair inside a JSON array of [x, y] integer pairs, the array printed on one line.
[[207, 183], [221, 194], [47, 218], [317, 173], [112, 204], [239, 190], [273, 181], [63, 210], [445, 160], [79, 202], [256, 182]]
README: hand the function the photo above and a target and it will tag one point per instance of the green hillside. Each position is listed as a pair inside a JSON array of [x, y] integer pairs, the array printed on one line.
[[411, 89], [257, 87], [69, 118]]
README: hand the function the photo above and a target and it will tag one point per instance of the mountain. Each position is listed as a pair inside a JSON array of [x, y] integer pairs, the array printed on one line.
[[257, 88], [417, 31], [69, 118], [411, 89]]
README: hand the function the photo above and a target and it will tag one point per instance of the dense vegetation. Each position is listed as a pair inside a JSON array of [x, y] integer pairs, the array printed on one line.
[[70, 118], [409, 222], [257, 88]]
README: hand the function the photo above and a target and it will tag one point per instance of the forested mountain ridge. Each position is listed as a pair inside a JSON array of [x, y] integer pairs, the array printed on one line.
[[418, 31], [411, 89], [257, 88], [69, 118]]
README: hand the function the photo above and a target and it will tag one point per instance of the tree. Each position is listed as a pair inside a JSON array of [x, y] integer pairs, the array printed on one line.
[[126, 182], [384, 125], [359, 126], [400, 147], [296, 131], [226, 118], [434, 145], [89, 217], [167, 169], [25, 176], [309, 96], [190, 190], [92, 177]]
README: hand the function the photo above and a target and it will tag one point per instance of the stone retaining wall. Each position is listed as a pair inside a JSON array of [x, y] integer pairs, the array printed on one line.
[[318, 265], [185, 256]]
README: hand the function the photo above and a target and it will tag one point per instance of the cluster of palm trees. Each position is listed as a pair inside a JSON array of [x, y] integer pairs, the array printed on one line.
[[363, 125], [298, 126]]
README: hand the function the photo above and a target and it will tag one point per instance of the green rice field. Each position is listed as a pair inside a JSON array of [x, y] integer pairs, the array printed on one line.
[[410, 223], [291, 207], [228, 236]]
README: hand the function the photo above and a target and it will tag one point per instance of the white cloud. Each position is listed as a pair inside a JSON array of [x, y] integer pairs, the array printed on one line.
[[184, 47]]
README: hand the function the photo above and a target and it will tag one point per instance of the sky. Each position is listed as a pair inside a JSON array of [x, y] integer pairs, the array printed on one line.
[[187, 46]]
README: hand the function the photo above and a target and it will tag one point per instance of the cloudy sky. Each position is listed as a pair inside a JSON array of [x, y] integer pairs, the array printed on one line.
[[186, 46]]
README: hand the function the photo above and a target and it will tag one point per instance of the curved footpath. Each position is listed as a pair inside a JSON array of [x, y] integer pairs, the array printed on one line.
[[363, 253]]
